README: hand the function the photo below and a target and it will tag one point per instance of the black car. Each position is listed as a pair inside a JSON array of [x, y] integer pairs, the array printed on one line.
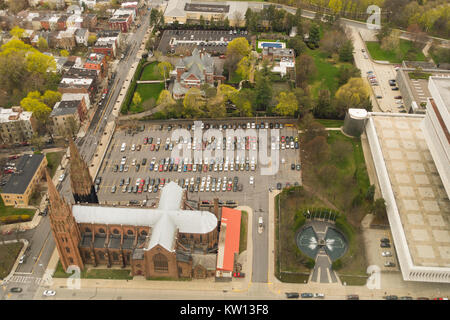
[[385, 240], [293, 166], [395, 89], [406, 298], [144, 161], [292, 295], [296, 145], [16, 289], [122, 181], [391, 297], [306, 295], [352, 297], [278, 186], [385, 245], [138, 166]]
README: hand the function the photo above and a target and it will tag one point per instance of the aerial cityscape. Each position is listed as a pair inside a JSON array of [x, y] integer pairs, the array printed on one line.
[[197, 150]]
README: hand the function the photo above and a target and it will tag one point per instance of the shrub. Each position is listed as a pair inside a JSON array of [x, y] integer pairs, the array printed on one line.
[[336, 265], [310, 263]]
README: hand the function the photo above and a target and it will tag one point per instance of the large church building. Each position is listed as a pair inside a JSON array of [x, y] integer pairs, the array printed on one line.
[[170, 241]]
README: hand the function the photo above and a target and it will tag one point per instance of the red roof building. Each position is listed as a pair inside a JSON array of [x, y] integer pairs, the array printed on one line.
[[230, 229]]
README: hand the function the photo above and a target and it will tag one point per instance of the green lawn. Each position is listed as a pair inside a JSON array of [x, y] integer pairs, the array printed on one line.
[[116, 274], [406, 46], [235, 78], [243, 234], [151, 72], [11, 211], [53, 161], [327, 75], [354, 280], [147, 91], [8, 255], [330, 123]]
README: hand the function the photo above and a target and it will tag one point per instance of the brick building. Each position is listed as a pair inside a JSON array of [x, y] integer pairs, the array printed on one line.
[[151, 242], [97, 62]]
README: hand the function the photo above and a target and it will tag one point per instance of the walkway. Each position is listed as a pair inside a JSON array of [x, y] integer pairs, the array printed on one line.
[[148, 81]]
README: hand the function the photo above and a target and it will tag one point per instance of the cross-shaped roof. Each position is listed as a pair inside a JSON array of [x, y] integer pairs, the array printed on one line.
[[164, 221]]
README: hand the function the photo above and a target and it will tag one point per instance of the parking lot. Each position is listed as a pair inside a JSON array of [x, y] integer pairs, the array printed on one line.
[[213, 41], [375, 252], [241, 182]]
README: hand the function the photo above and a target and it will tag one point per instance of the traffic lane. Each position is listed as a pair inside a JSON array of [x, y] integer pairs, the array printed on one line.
[[38, 241]]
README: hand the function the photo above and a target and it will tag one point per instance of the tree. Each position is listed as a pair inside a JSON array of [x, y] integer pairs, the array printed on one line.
[[164, 69], [392, 41], [50, 98], [64, 53], [304, 100], [335, 6], [238, 18], [263, 90], [346, 72], [346, 52], [42, 44], [306, 69], [18, 5], [312, 128], [332, 41], [297, 44], [92, 39], [318, 149], [216, 107], [379, 207], [39, 109], [137, 98], [353, 94], [37, 141], [165, 98], [287, 104], [238, 46], [314, 35], [418, 36], [17, 32], [244, 67], [193, 103]]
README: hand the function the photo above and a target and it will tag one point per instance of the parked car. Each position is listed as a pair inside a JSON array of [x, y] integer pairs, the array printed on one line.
[[319, 295], [386, 254], [385, 245], [306, 295], [352, 297], [49, 293], [16, 289], [292, 295], [389, 264], [391, 297]]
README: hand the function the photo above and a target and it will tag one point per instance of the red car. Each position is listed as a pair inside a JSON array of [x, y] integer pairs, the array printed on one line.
[[105, 91], [161, 167], [145, 140], [13, 157], [222, 57], [163, 181], [152, 148], [8, 171], [205, 168], [283, 140], [189, 167], [140, 189]]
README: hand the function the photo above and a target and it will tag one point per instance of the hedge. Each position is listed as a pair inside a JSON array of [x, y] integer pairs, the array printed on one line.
[[15, 219], [129, 96]]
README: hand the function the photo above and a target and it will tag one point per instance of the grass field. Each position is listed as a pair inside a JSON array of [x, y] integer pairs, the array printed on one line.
[[406, 46], [11, 211], [330, 123], [8, 255], [327, 76], [151, 72], [53, 161], [243, 234], [117, 274], [147, 91], [354, 280]]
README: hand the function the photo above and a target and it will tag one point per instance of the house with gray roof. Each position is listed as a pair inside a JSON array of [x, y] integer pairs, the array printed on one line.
[[192, 72]]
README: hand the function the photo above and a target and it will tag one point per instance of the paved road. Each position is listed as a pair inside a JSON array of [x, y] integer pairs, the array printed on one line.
[[88, 144]]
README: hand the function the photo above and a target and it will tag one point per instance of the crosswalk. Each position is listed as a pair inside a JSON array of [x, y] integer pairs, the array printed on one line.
[[29, 279]]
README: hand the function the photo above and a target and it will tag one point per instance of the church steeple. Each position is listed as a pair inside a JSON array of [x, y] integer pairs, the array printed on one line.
[[80, 179], [64, 228]]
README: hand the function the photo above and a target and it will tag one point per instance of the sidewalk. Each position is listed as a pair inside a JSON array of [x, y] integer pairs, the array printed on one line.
[[14, 267]]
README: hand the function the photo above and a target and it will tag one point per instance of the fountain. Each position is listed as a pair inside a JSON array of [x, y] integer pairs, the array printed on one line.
[[309, 243]]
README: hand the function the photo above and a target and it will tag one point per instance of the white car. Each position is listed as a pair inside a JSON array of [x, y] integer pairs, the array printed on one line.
[[49, 293], [61, 177], [252, 179], [386, 254], [260, 225], [133, 147], [319, 295]]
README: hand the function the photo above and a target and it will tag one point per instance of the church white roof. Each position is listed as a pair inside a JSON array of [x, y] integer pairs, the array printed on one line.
[[164, 220]]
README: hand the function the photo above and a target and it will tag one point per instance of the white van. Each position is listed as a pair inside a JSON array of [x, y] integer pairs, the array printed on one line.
[[122, 148]]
